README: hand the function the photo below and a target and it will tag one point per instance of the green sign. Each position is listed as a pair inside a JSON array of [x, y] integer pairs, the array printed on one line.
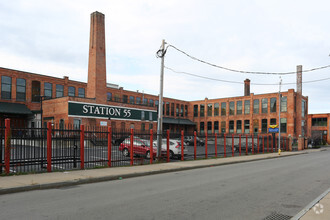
[[90, 110]]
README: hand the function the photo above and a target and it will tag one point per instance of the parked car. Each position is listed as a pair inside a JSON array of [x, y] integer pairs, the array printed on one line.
[[174, 147], [243, 147], [189, 140], [140, 148]]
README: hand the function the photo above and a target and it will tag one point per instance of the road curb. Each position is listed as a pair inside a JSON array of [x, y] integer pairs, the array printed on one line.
[[130, 175], [310, 205]]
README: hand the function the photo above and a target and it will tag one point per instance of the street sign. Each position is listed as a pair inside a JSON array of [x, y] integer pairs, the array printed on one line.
[[273, 129]]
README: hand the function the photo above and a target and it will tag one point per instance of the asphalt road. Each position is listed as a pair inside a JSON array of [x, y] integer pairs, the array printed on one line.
[[251, 190]]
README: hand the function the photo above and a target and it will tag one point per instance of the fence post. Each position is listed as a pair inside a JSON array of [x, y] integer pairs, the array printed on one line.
[[151, 147], [272, 144], [131, 147], [232, 145], [7, 145], [252, 150], [224, 146], [263, 143], [195, 145], [82, 147], [258, 144], [49, 147], [240, 144], [287, 144], [215, 145], [168, 146], [246, 145], [267, 143], [182, 145], [109, 145], [206, 145], [275, 144]]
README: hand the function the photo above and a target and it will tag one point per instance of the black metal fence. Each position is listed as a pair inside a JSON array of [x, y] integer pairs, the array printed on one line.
[[30, 148]]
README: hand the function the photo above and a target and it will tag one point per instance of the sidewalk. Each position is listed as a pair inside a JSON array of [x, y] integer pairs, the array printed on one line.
[[12, 184], [319, 209]]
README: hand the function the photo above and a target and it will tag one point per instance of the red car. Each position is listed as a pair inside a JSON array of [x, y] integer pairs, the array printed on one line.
[[140, 147]]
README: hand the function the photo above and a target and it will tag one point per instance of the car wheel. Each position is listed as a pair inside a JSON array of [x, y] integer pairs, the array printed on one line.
[[125, 152], [148, 155], [171, 154]]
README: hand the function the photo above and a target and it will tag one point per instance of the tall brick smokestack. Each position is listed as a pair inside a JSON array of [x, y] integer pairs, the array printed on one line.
[[97, 76], [247, 87], [299, 100]]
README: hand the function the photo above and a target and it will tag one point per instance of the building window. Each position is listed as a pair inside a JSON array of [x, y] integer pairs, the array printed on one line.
[[247, 107], [255, 126], [201, 111], [76, 123], [231, 126], [273, 105], [223, 127], [177, 110], [167, 108], [156, 103], [303, 108], [223, 108], [264, 105], [195, 110], [117, 99], [20, 89], [283, 125], [59, 91], [109, 96], [264, 126], [172, 109], [61, 125], [151, 102], [143, 115], [323, 122], [151, 126], [125, 98], [138, 100], [143, 127], [231, 108], [201, 127], [181, 111], [145, 101], [5, 87], [209, 109], [216, 109], [71, 91], [48, 90], [256, 106], [284, 104], [239, 107], [186, 110], [246, 126], [35, 91], [216, 127], [209, 127], [131, 100], [272, 121], [81, 92], [238, 126]]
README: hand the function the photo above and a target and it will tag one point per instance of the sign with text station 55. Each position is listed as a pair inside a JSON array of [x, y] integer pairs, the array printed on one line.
[[90, 110]]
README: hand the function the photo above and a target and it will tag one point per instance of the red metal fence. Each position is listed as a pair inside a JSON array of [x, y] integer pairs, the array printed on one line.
[[68, 148]]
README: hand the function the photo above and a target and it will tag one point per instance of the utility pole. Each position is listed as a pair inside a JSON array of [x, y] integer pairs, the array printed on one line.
[[160, 104], [279, 117]]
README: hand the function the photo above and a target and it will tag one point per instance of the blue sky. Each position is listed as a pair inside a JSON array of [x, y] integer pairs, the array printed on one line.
[[51, 38]]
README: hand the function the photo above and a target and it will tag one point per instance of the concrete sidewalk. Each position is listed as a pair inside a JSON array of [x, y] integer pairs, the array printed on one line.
[[12, 184], [318, 209]]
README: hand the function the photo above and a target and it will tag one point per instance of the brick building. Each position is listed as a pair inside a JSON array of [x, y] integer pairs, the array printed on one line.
[[319, 127], [30, 99]]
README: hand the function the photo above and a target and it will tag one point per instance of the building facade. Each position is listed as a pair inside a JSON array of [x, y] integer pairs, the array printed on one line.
[[319, 127], [31, 100]]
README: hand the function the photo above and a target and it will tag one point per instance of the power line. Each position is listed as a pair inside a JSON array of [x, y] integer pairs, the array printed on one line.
[[236, 82], [242, 71]]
